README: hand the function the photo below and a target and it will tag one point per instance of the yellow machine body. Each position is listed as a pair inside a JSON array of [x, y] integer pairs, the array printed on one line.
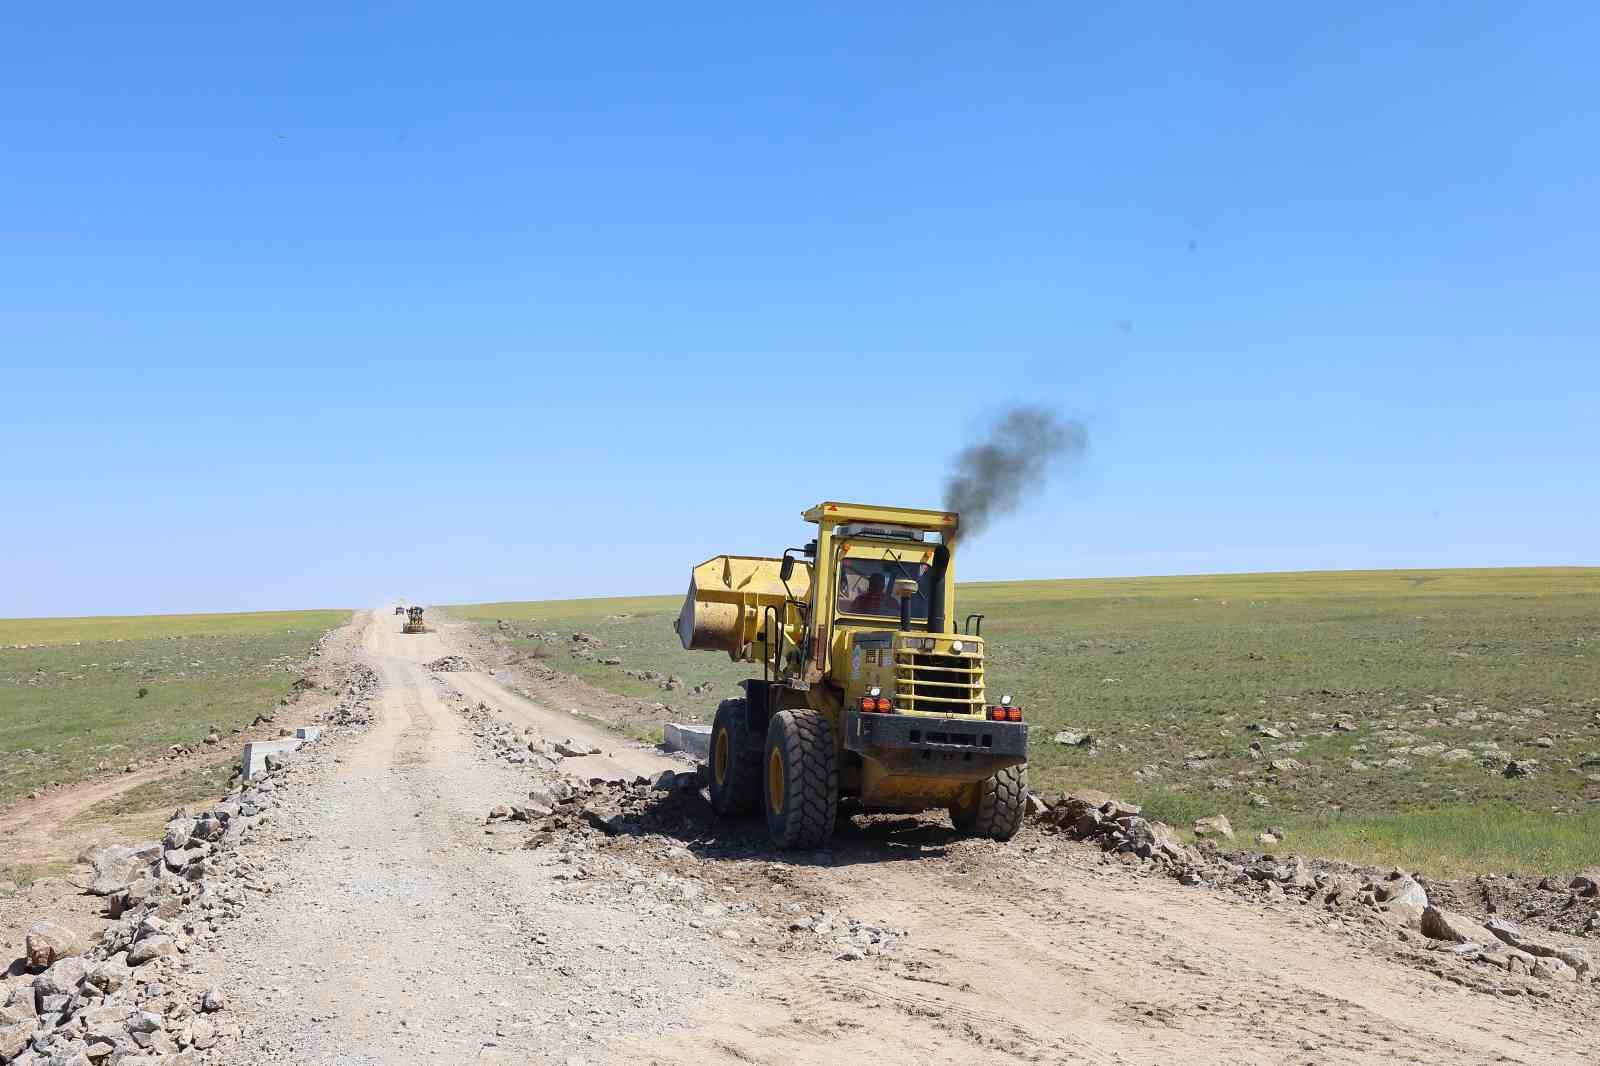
[[801, 617], [413, 622]]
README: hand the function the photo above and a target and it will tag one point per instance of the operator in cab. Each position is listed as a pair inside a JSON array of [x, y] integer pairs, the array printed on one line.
[[876, 599]]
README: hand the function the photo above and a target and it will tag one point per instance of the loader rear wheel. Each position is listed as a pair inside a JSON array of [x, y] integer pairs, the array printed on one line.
[[993, 807], [802, 779], [735, 769]]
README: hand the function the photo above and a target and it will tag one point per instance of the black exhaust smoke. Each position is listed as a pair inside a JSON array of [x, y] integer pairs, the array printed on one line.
[[995, 476]]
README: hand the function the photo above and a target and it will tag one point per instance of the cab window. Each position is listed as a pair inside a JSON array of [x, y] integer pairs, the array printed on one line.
[[866, 587]]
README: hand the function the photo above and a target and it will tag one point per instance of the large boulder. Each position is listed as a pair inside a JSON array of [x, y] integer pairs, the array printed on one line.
[[1441, 924], [1513, 937], [119, 865], [1403, 900], [1215, 826], [62, 979], [48, 942], [1587, 883], [150, 949]]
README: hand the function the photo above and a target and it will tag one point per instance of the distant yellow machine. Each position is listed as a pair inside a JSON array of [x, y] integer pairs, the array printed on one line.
[[413, 623], [867, 688]]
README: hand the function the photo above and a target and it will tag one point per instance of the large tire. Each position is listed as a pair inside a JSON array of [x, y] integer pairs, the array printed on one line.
[[735, 770], [802, 778], [993, 807]]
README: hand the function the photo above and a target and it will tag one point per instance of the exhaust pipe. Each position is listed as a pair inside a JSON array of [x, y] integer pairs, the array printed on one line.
[[941, 563]]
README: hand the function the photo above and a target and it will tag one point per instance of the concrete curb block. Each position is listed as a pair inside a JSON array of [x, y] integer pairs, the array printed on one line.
[[256, 751], [693, 739]]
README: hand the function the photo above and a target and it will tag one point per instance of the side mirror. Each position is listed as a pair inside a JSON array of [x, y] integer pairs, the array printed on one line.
[[786, 569]]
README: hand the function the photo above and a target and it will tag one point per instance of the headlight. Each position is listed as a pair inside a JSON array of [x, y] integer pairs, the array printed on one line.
[[958, 647], [927, 643]]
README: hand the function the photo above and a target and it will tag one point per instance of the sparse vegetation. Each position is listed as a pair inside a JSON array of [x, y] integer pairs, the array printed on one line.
[[64, 686], [1386, 705]]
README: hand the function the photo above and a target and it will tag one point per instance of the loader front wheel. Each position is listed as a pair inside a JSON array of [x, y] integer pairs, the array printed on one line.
[[802, 771], [993, 807], [735, 769]]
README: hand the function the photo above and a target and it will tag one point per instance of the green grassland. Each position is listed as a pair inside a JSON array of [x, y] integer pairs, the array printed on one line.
[[1397, 697], [70, 687]]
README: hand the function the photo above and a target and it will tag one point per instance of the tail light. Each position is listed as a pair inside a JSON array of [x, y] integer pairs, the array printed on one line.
[[1005, 713], [876, 705]]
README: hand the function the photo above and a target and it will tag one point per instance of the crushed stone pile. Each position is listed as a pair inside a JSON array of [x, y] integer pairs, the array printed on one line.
[[447, 664], [354, 706], [129, 997], [1392, 900]]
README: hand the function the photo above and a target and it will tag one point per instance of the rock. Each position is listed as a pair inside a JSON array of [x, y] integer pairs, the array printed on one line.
[[1286, 766], [1403, 899], [13, 1038], [1070, 739], [1258, 800], [667, 782], [1118, 809], [1551, 969], [1508, 934], [1542, 742], [118, 866], [150, 949], [111, 974], [22, 1003], [214, 1000], [1217, 825], [145, 1022], [1456, 928], [62, 979], [1520, 768], [209, 829], [1088, 797], [573, 749], [47, 942], [1586, 884], [1266, 840], [179, 830], [497, 813], [177, 860]]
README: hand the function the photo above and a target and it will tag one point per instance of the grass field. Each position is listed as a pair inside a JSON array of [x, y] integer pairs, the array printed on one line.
[[70, 688], [1397, 699]]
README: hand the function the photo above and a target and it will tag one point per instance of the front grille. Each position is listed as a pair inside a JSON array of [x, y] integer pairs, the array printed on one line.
[[946, 684]]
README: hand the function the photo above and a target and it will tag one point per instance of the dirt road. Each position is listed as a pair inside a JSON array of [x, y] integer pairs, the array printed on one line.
[[392, 926]]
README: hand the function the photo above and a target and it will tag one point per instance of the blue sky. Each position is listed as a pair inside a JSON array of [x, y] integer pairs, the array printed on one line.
[[486, 301]]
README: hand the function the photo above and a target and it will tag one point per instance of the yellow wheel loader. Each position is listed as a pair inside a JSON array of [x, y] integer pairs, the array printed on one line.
[[868, 690], [413, 622]]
